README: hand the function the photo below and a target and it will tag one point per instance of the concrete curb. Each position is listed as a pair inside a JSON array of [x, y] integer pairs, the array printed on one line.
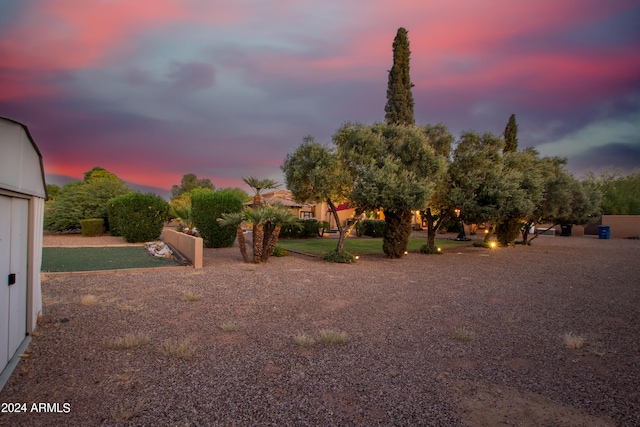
[[122, 270]]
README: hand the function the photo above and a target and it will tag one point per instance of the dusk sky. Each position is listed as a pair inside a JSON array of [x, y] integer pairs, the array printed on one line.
[[154, 89]]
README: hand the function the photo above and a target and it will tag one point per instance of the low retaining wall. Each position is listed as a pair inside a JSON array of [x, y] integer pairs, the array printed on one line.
[[189, 246]]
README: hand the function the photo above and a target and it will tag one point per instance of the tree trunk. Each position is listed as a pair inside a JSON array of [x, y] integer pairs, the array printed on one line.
[[241, 243], [525, 231], [267, 232], [397, 232], [507, 231], [433, 226], [258, 237], [341, 235], [489, 236], [273, 241]]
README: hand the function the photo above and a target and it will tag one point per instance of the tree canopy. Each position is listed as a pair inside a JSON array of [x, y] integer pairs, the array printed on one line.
[[511, 135], [314, 173], [189, 182], [399, 107], [392, 167], [85, 199]]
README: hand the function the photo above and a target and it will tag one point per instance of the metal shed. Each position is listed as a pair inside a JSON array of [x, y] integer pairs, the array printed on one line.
[[22, 196]]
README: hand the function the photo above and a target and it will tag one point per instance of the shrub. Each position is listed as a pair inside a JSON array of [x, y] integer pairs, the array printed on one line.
[[206, 208], [92, 226], [343, 258], [279, 251], [425, 249], [302, 229], [79, 200], [138, 217], [482, 244], [372, 227]]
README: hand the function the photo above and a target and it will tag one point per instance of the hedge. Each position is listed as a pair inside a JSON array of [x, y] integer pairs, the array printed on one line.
[[138, 217], [206, 208], [303, 229], [92, 226]]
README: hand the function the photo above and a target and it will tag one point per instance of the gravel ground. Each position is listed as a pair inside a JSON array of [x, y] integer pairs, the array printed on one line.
[[471, 337]]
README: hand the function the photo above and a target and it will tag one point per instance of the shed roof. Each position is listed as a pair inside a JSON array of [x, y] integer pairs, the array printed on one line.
[[21, 168]]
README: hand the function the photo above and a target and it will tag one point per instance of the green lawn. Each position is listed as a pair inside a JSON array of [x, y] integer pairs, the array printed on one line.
[[358, 246], [100, 258]]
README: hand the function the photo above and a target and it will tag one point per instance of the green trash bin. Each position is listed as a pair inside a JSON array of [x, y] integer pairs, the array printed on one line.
[[604, 231]]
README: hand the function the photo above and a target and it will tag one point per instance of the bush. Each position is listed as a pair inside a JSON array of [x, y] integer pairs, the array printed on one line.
[[206, 208], [302, 229], [343, 258], [452, 225], [138, 217], [425, 249], [279, 251], [80, 200], [372, 227], [92, 226]]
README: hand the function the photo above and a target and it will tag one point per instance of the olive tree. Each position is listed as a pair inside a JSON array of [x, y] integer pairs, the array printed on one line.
[[392, 168], [314, 173]]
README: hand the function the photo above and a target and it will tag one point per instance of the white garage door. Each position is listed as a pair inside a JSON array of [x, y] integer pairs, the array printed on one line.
[[14, 218]]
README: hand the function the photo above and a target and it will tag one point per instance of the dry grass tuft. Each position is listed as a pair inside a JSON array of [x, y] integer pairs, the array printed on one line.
[[125, 379], [48, 300], [128, 341], [88, 300], [330, 336], [181, 349], [573, 341], [126, 411], [509, 319], [304, 340], [189, 296], [231, 326], [463, 334]]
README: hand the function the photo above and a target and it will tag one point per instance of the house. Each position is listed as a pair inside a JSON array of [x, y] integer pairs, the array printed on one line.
[[22, 196], [285, 198]]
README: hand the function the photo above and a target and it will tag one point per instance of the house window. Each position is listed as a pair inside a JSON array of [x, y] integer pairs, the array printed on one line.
[[305, 215]]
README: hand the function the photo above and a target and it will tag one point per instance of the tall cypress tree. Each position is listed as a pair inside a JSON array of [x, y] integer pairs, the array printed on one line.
[[511, 136], [399, 108]]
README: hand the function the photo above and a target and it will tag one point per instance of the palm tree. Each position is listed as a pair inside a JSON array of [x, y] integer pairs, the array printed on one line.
[[236, 220], [258, 185], [281, 215], [258, 217]]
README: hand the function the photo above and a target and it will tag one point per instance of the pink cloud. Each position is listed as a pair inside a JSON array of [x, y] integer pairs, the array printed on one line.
[[61, 34]]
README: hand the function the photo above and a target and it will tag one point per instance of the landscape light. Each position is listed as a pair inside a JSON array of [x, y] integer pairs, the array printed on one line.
[[439, 249], [492, 244], [406, 253], [357, 256]]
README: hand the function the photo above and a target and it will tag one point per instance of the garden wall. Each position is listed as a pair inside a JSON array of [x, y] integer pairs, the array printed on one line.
[[622, 226], [189, 246]]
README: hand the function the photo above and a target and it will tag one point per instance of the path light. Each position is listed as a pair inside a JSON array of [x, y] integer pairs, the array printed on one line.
[[439, 249], [357, 257], [406, 253], [493, 245]]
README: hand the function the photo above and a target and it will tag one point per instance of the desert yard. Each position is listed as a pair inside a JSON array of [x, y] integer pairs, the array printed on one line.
[[547, 335]]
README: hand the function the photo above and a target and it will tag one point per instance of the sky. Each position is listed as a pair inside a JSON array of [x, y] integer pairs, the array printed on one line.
[[154, 89]]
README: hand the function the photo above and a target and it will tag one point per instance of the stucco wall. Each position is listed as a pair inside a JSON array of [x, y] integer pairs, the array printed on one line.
[[622, 226], [189, 246]]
